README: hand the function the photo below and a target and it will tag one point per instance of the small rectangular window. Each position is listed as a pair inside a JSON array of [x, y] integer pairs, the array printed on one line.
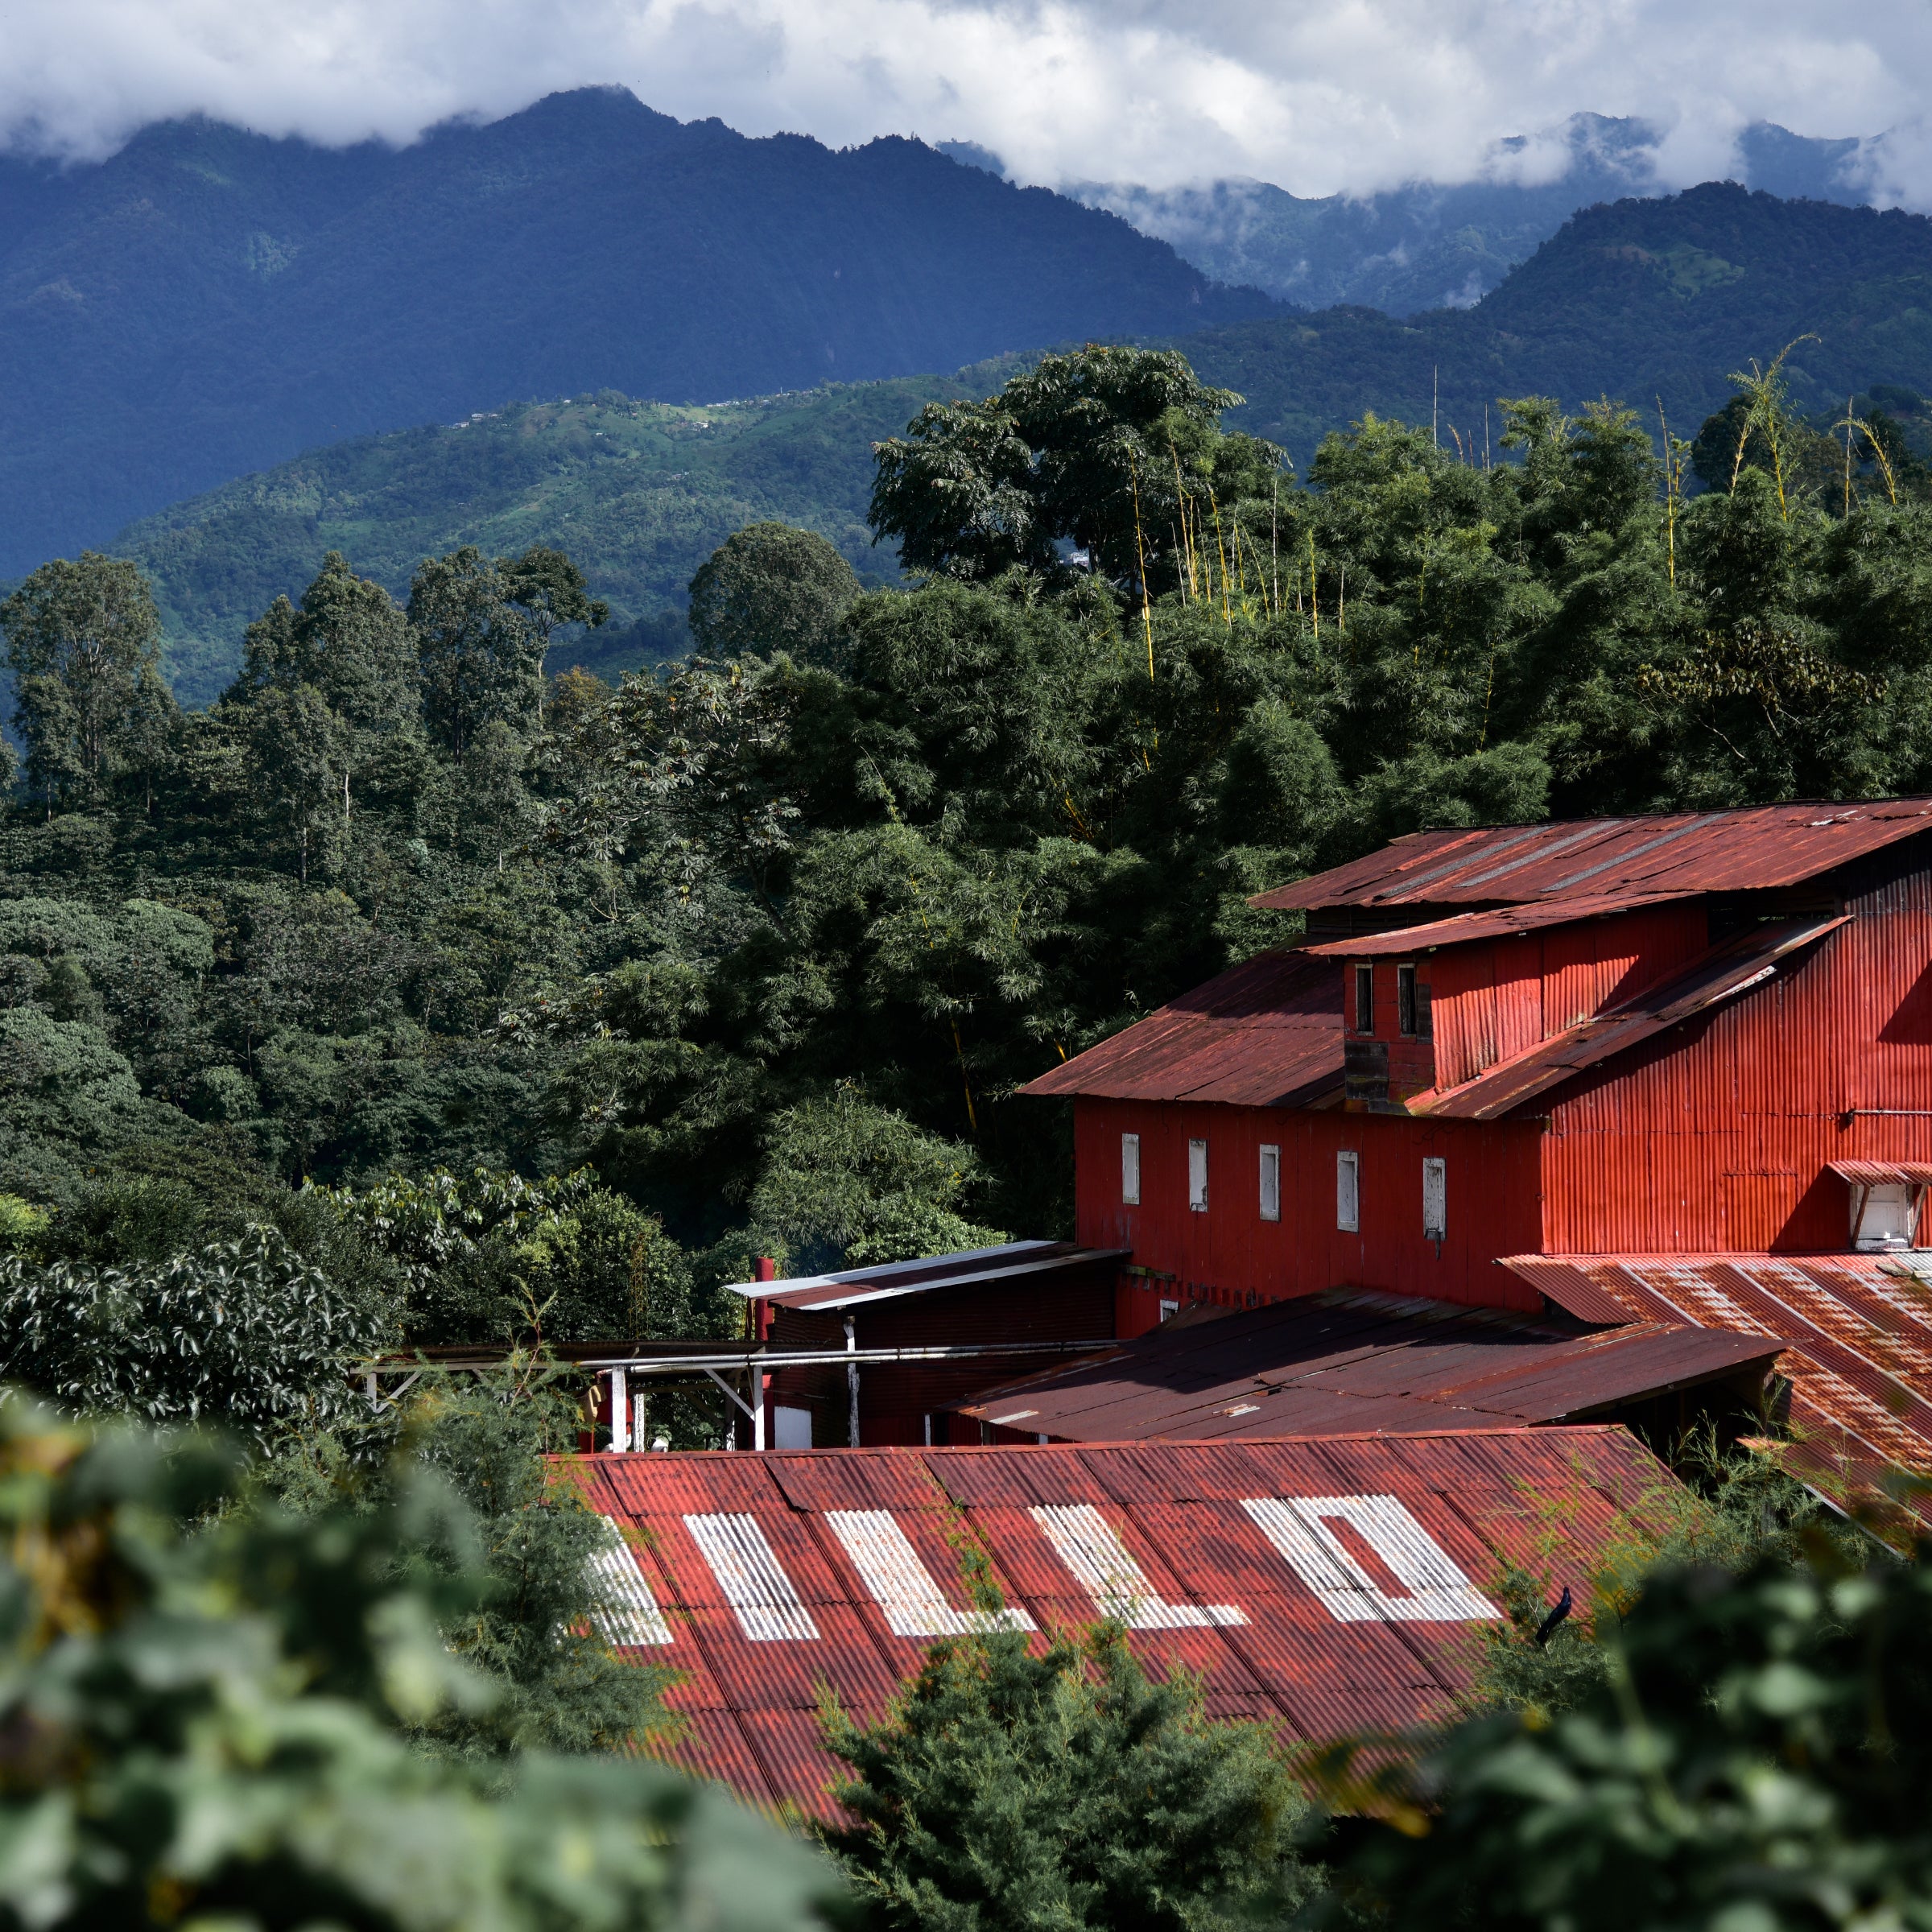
[[1365, 999], [1405, 1002], [1348, 1193], [1130, 1170], [1170, 1308], [1435, 1201], [1197, 1176], [1271, 1183]]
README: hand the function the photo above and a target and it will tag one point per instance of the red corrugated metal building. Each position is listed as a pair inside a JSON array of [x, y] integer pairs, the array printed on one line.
[[1655, 1035], [1333, 1588]]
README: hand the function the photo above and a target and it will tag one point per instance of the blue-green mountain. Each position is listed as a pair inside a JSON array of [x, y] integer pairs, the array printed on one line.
[[209, 302]]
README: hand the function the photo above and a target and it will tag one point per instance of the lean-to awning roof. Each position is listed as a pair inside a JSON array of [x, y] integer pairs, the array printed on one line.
[[1346, 1361], [1267, 1033], [1856, 1330], [852, 1286], [1332, 1587], [1755, 848]]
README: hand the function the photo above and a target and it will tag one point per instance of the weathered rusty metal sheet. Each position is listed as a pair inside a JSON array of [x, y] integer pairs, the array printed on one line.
[[1332, 1587], [1345, 1362], [1502, 922], [1857, 1330], [1883, 1173], [1268, 1033], [1757, 848]]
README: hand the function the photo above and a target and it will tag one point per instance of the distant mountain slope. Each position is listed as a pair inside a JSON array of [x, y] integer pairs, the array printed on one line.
[[1427, 245], [1638, 300], [208, 301], [1641, 299], [638, 492]]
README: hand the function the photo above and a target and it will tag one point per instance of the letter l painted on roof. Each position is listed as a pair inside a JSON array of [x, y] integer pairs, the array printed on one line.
[[901, 1585], [1086, 1543]]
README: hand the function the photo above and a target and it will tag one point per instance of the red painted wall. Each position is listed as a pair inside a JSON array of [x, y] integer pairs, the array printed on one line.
[[1714, 1136], [1493, 1000], [1230, 1251]]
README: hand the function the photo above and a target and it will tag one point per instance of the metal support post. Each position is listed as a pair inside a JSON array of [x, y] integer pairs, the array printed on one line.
[[620, 1413], [852, 1379]]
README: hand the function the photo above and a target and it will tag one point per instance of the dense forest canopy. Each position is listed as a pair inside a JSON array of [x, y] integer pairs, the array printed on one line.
[[759, 948]]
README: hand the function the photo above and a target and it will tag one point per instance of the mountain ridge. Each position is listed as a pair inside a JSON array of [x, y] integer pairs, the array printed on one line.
[[1650, 300], [208, 302]]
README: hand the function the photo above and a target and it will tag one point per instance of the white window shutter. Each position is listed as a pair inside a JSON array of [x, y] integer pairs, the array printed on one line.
[[1436, 1200], [1130, 1169], [1197, 1176], [1271, 1183], [1348, 1193]]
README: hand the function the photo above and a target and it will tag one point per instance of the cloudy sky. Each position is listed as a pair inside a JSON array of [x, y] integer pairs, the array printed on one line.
[[1315, 95]]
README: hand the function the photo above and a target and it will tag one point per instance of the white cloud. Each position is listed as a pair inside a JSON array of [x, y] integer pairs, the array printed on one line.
[[1315, 95]]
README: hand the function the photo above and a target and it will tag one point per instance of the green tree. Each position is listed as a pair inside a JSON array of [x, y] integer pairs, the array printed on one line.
[[482, 629], [846, 1184], [83, 642], [300, 761], [770, 587], [1115, 450], [347, 638], [1005, 1792]]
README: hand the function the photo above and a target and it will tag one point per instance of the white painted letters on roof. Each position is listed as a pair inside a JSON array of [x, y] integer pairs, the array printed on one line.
[[630, 1614], [1086, 1544], [902, 1587], [1299, 1527], [762, 1596]]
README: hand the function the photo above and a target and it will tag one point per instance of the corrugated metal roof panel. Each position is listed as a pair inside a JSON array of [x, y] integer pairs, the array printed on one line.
[[1883, 1173], [1267, 1033], [1503, 923], [1344, 1361], [1333, 1586], [1735, 966], [1756, 847], [1856, 1330]]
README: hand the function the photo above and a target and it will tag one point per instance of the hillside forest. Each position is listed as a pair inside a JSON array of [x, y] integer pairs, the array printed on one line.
[[490, 1002]]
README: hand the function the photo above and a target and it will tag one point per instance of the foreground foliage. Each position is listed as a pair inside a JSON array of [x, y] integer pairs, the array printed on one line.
[[1753, 1756], [207, 1725]]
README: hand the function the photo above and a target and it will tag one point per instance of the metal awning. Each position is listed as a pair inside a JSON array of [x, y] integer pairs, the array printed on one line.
[[969, 1267]]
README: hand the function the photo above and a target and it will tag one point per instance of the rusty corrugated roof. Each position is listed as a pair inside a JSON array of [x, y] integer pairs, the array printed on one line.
[[1756, 847], [853, 1286], [1856, 1328], [1348, 1360], [1499, 923], [1330, 1586], [1734, 965], [1883, 1173], [1266, 1033]]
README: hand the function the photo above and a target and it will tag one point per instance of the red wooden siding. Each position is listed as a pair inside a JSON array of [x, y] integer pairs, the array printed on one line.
[[1714, 1136], [1492, 1208]]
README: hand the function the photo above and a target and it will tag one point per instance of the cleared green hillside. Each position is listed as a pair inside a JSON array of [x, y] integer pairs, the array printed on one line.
[[639, 493]]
